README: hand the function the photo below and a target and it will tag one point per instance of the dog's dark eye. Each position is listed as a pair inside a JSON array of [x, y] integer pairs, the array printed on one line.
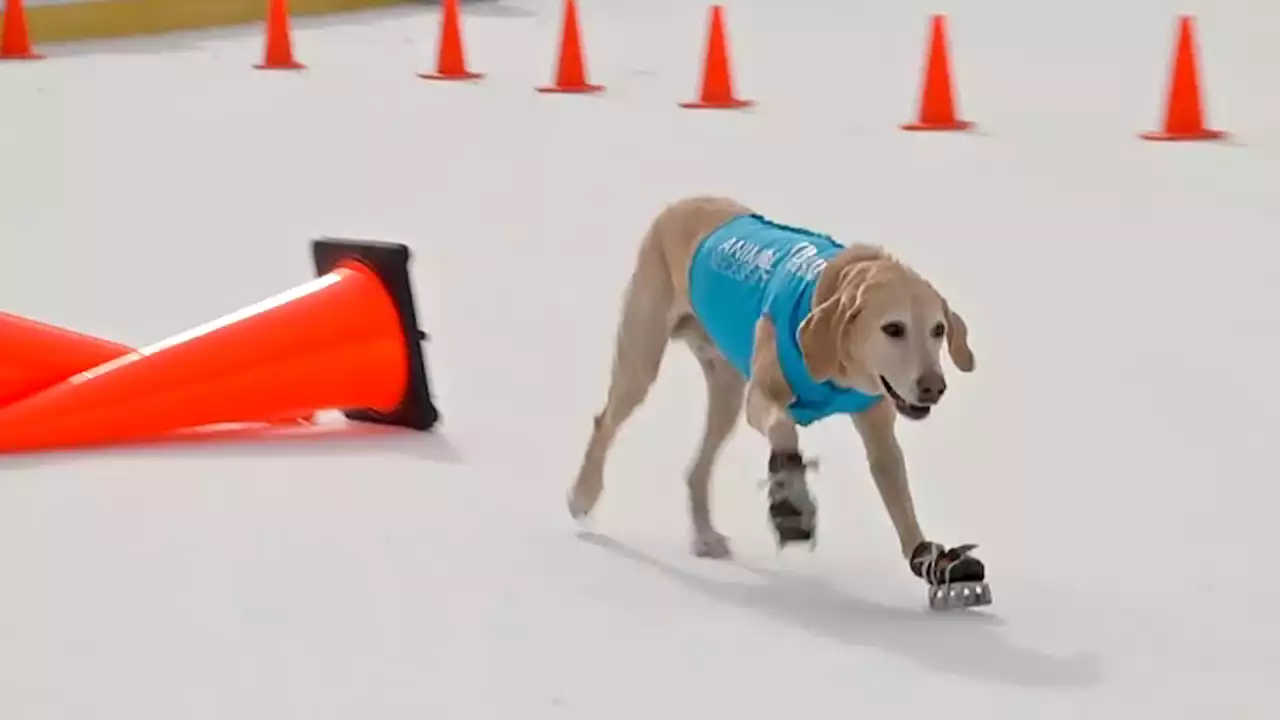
[[939, 330], [894, 329]]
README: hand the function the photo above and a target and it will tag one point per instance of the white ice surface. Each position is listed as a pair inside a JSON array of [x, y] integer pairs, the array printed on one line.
[[1114, 454]]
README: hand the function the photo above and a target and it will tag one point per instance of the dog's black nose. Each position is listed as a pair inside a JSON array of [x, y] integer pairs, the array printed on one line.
[[930, 387]]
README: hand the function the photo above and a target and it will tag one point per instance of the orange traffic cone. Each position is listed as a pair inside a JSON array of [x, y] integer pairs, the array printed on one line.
[[15, 42], [571, 68], [937, 102], [1183, 115], [346, 340], [717, 78], [451, 61], [34, 356], [278, 54]]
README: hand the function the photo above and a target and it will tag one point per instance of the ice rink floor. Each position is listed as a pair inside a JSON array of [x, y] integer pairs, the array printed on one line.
[[1113, 455]]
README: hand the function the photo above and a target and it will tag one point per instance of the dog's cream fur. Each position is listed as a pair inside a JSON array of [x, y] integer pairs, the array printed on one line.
[[859, 293]]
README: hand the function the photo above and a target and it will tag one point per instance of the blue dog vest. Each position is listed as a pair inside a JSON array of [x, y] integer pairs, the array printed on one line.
[[753, 267]]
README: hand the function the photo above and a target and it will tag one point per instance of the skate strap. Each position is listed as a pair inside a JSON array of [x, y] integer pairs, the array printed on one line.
[[806, 464], [925, 561]]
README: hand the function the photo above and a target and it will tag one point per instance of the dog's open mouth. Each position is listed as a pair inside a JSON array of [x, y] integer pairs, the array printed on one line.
[[906, 409]]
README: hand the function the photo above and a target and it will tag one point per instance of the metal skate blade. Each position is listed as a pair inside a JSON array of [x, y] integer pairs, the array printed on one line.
[[958, 596], [811, 544]]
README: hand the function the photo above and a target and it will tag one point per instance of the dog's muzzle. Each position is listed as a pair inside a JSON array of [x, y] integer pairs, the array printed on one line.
[[904, 408]]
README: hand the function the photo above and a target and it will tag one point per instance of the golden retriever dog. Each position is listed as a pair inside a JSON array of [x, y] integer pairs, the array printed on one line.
[[795, 328]]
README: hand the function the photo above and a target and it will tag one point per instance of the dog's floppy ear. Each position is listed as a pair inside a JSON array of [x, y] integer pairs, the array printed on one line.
[[958, 340], [820, 333]]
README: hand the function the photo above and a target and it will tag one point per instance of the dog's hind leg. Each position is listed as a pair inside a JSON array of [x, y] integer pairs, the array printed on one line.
[[641, 341], [725, 391]]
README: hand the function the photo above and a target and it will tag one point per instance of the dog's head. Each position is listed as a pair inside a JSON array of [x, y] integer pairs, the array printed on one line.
[[881, 330]]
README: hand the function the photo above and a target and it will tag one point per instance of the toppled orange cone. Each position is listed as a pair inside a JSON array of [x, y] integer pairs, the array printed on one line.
[[451, 61], [15, 40], [347, 340], [717, 77], [571, 66], [937, 100], [35, 355], [1184, 116]]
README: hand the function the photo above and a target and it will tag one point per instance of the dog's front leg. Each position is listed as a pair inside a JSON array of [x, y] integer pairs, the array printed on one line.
[[768, 393], [956, 578], [791, 508], [889, 470]]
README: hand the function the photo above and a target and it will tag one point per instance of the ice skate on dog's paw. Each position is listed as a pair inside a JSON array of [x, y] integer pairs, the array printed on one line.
[[792, 512], [956, 579], [791, 524]]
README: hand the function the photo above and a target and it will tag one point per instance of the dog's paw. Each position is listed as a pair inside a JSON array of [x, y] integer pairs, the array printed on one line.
[[579, 506], [711, 544]]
